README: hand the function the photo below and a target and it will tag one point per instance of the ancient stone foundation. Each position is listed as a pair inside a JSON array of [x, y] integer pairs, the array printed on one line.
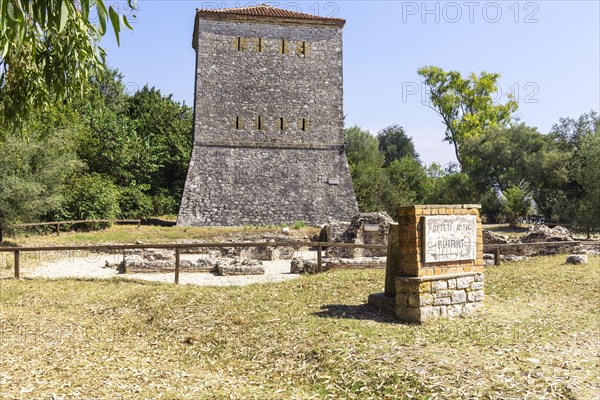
[[434, 263]]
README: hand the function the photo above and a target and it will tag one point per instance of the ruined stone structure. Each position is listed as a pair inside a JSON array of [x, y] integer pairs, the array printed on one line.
[[268, 129], [364, 228]]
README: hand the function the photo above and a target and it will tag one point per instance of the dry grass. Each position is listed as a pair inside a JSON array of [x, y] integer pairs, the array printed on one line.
[[311, 338], [156, 234]]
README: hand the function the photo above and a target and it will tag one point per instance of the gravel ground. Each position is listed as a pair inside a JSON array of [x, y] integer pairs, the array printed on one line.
[[93, 266]]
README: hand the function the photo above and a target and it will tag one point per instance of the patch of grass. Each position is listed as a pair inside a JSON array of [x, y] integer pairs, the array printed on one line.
[[311, 338], [299, 224], [506, 230], [152, 234]]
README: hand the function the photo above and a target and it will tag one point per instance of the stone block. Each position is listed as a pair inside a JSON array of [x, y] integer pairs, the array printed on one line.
[[425, 287], [442, 301], [428, 313], [469, 308], [459, 296], [451, 283], [232, 270], [402, 299], [439, 285], [426, 299], [476, 286], [463, 283], [577, 259], [442, 293], [475, 296], [443, 310], [382, 302], [408, 314], [414, 300]]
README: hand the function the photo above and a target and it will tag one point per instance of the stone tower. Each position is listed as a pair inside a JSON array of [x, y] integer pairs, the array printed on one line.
[[268, 128]]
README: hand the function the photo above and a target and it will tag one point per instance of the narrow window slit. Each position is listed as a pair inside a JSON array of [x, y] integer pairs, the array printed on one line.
[[283, 46], [259, 123], [303, 125]]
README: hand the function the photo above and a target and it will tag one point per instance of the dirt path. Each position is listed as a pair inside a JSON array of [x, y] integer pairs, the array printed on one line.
[[93, 266]]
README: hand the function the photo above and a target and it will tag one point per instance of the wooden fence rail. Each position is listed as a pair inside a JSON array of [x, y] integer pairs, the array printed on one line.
[[319, 246], [177, 247], [81, 221], [497, 248]]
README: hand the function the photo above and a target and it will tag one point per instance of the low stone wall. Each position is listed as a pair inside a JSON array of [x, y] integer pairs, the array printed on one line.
[[262, 253], [421, 298], [356, 263]]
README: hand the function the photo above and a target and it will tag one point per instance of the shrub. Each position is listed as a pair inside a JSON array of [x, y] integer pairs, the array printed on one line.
[[92, 196], [134, 203]]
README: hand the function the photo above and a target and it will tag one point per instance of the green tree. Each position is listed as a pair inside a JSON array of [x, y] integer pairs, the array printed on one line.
[[91, 196], [505, 157], [166, 126], [515, 205], [408, 184], [366, 168], [32, 175], [465, 104], [559, 187], [588, 176], [48, 52], [142, 142], [395, 144], [450, 186]]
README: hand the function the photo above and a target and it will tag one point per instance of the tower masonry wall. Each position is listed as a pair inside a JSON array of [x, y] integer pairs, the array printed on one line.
[[247, 83], [268, 129]]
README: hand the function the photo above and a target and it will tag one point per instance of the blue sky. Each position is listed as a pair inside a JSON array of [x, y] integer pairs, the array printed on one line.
[[548, 53]]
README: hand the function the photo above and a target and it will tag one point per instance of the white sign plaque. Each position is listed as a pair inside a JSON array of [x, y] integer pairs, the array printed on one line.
[[450, 238], [371, 227]]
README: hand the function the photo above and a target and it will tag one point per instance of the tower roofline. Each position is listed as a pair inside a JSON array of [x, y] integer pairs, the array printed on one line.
[[265, 14], [268, 13]]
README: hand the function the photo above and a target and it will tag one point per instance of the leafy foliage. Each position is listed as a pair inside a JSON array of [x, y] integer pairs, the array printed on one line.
[[142, 142], [32, 174], [366, 168], [516, 205], [466, 104], [395, 144], [48, 52], [92, 196]]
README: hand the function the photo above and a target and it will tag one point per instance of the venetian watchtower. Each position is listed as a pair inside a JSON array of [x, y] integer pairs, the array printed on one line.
[[268, 128]]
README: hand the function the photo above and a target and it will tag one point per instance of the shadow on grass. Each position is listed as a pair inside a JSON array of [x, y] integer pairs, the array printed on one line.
[[361, 312]]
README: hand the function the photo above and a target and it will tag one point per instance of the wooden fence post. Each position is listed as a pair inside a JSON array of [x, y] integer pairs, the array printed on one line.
[[57, 229], [319, 259], [17, 264], [177, 257], [497, 256]]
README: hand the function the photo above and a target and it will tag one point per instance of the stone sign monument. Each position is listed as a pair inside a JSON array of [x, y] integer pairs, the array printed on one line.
[[434, 263]]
